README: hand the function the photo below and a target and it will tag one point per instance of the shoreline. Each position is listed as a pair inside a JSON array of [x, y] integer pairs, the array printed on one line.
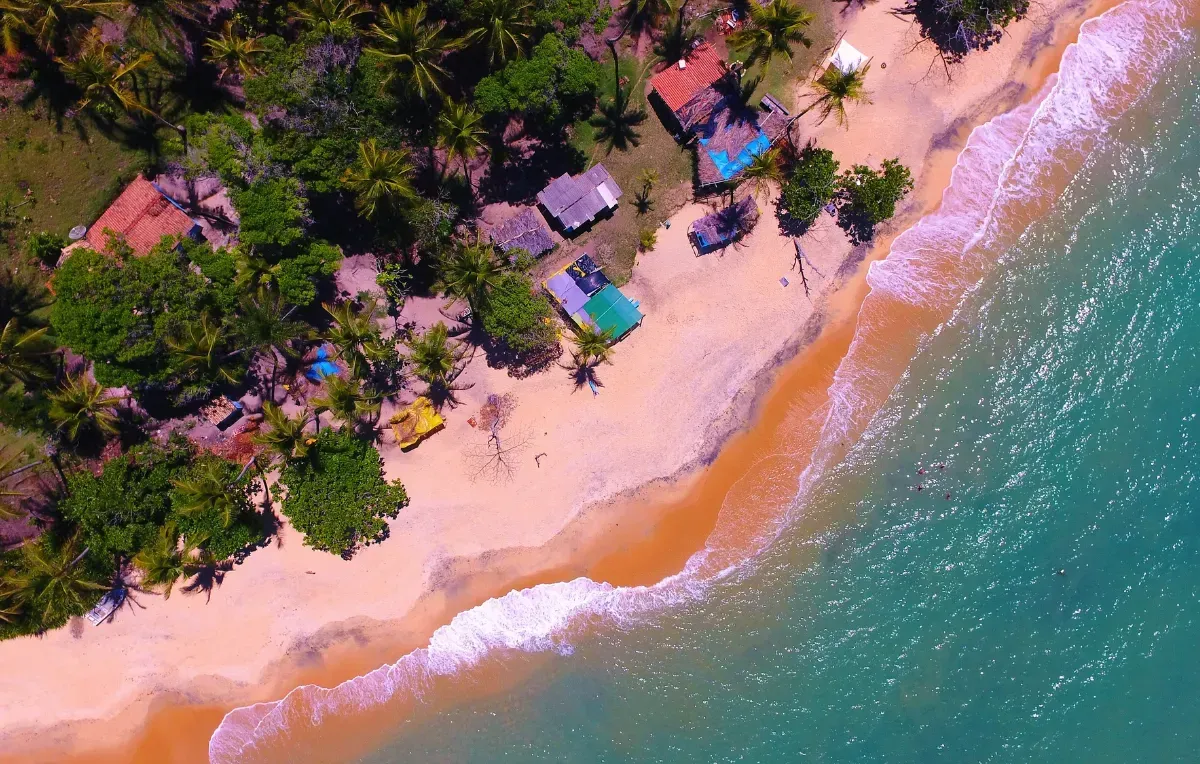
[[588, 543]]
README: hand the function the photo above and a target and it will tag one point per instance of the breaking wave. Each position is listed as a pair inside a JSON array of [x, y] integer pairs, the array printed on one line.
[[1010, 172]]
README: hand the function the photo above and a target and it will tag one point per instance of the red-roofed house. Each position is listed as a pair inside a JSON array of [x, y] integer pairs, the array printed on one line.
[[142, 215], [687, 78]]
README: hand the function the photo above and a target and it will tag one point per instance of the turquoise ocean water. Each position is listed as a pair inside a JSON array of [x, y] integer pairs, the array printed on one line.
[[934, 625]]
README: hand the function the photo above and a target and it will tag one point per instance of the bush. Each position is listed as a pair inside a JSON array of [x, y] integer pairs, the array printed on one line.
[[812, 185], [272, 214], [647, 238], [870, 197], [959, 28], [337, 496], [517, 317], [45, 247], [223, 542], [300, 276]]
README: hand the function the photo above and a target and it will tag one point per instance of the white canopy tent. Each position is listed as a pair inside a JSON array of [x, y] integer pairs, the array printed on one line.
[[847, 58]]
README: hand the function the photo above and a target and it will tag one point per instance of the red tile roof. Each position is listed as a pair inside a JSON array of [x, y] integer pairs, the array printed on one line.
[[143, 215], [677, 86]]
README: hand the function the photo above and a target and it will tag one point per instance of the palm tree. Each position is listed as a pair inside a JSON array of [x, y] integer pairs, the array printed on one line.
[[592, 344], [413, 48], [103, 78], [348, 401], [264, 326], [232, 51], [504, 26], [616, 124], [81, 406], [156, 24], [24, 354], [835, 88], [763, 172], [329, 17], [10, 609], [772, 31], [460, 133], [434, 358], [50, 581], [381, 180], [644, 14], [49, 22], [163, 563], [254, 271], [207, 490], [14, 468], [471, 273], [679, 35], [352, 334], [286, 438], [202, 347]]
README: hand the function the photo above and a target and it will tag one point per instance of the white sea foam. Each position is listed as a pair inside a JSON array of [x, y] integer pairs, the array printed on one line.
[[1005, 165]]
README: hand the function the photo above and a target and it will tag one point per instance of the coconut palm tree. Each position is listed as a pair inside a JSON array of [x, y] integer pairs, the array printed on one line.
[[254, 271], [435, 358], [352, 334], [835, 88], [461, 134], [762, 173], [413, 48], [287, 437], [381, 180], [348, 401], [103, 78], [643, 15], [264, 326], [471, 272], [772, 31], [159, 24], [50, 22], [592, 344], [207, 490], [330, 17], [203, 347], [50, 581], [80, 406], [24, 355], [503, 26], [10, 609], [163, 563], [232, 51], [616, 123], [14, 468]]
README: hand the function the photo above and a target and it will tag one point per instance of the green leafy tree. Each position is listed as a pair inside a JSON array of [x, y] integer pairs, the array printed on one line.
[[471, 273], [330, 17], [957, 29], [461, 134], [834, 89], [381, 180], [518, 317], [44, 247], [286, 437], [52, 582], [233, 52], [871, 197], [81, 407], [772, 31], [412, 48], [553, 87], [338, 497], [306, 268], [272, 214], [502, 26], [812, 185], [348, 401]]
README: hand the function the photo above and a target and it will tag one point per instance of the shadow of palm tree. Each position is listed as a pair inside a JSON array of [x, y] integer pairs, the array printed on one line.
[[210, 576]]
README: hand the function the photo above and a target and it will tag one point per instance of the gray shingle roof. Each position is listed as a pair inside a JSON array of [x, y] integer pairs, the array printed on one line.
[[526, 231], [576, 200]]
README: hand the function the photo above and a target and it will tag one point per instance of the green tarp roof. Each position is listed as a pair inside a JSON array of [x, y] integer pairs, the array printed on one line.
[[612, 311]]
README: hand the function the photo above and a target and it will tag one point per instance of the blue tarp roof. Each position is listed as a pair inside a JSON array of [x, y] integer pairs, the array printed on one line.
[[728, 167]]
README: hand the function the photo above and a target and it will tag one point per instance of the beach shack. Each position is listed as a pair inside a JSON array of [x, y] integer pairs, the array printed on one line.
[[721, 228], [142, 215], [588, 298], [702, 96], [574, 201], [526, 231]]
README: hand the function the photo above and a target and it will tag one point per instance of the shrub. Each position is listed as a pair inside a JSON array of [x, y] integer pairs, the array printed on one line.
[[337, 496], [272, 213], [870, 197], [44, 247], [555, 85], [812, 185], [300, 276], [517, 317], [647, 238]]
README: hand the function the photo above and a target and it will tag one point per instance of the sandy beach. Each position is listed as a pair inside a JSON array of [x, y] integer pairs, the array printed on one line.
[[612, 485]]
